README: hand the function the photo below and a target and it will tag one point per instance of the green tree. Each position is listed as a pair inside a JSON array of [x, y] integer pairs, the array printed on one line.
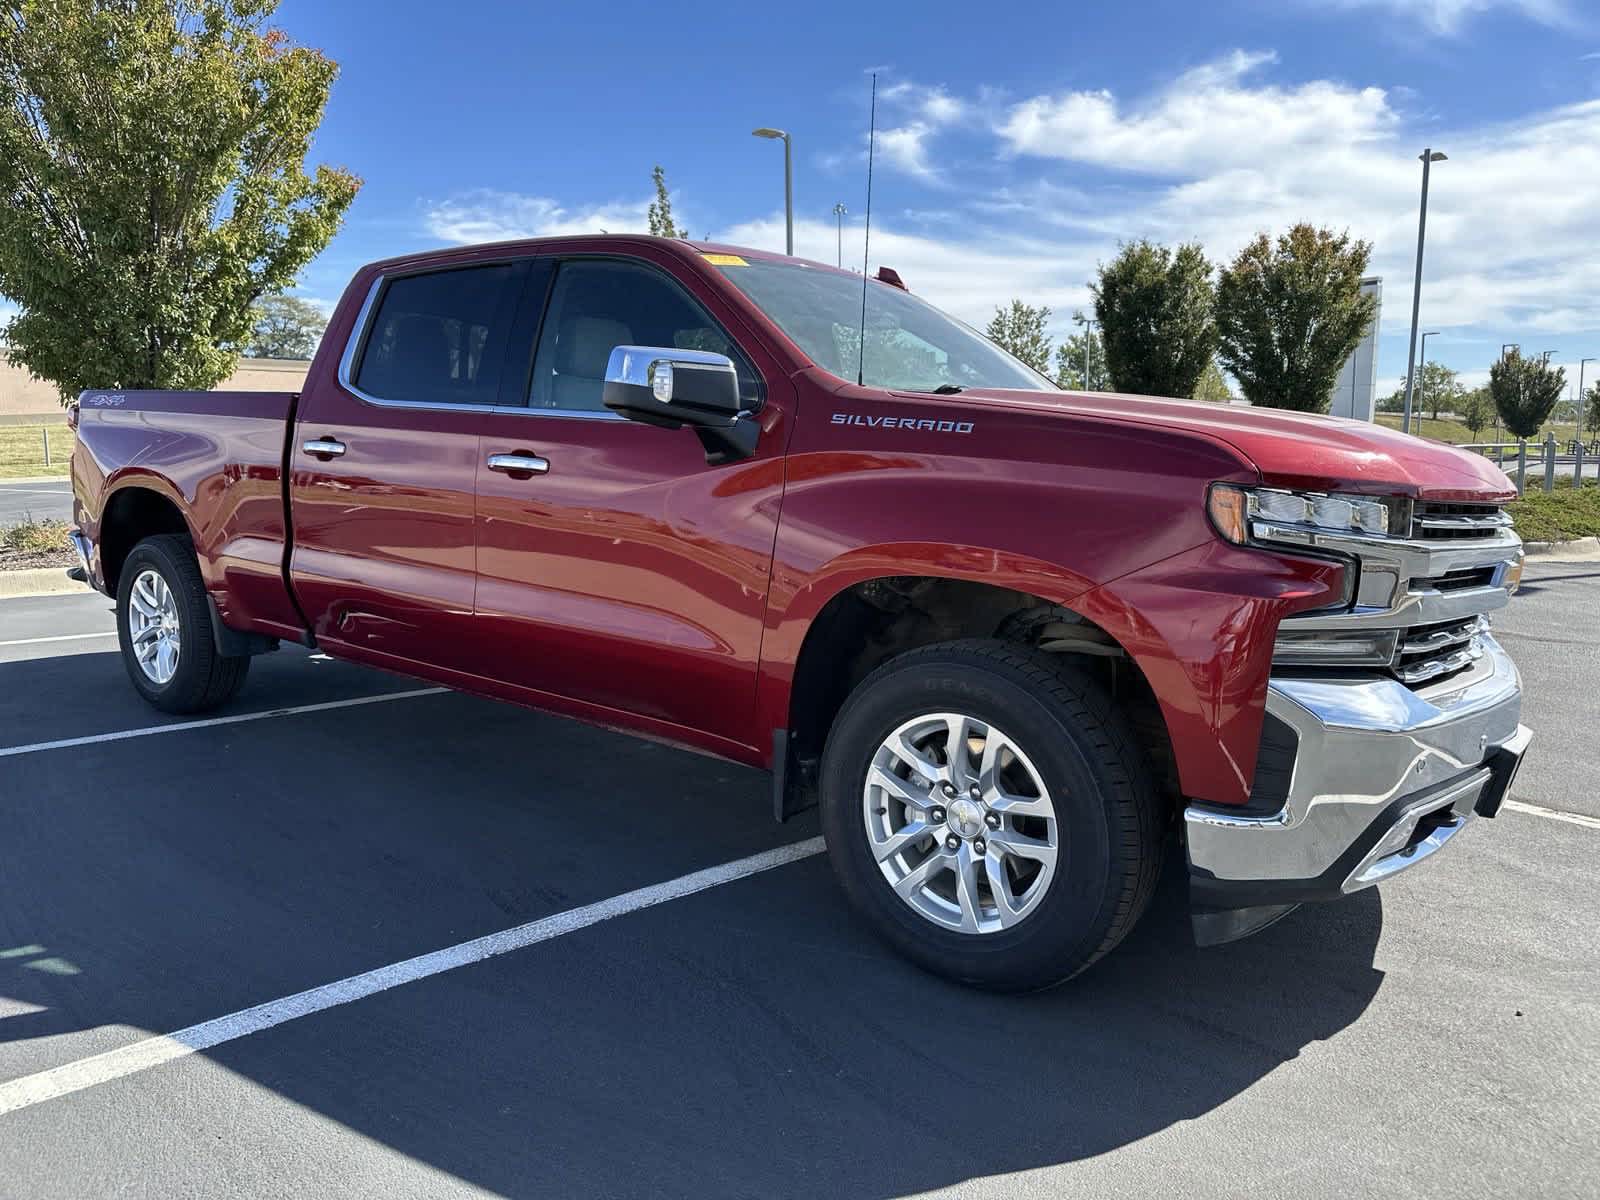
[[1070, 363], [286, 327], [1394, 402], [153, 184], [1525, 391], [1476, 410], [1437, 388], [1289, 314], [659, 214], [1020, 330], [1156, 309], [1591, 412], [1212, 385]]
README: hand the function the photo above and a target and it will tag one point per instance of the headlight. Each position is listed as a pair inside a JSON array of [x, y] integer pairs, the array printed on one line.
[[1238, 512]]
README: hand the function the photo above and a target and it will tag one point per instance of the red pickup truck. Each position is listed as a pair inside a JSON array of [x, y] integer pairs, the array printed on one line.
[[1014, 641]]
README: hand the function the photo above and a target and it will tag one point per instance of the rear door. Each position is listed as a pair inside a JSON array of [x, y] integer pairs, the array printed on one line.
[[628, 577], [384, 465]]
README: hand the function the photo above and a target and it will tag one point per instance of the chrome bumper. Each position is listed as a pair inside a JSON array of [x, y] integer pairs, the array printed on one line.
[[1384, 776]]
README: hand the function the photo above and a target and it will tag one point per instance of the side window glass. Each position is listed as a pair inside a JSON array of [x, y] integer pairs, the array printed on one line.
[[596, 306], [439, 338]]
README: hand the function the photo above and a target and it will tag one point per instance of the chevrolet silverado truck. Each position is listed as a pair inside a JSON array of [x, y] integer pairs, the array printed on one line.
[[1016, 642]]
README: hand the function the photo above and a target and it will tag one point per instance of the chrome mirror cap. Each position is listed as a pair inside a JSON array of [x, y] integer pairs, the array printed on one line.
[[658, 368]]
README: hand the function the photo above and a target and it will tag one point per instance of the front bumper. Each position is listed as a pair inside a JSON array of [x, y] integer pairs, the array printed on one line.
[[1384, 776]]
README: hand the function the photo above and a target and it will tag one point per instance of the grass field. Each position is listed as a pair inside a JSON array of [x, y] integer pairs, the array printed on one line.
[[1454, 432], [22, 450], [1558, 516]]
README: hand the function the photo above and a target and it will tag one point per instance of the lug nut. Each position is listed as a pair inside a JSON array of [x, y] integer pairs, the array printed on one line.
[[952, 842], [992, 820], [976, 793], [979, 846], [936, 814], [949, 789]]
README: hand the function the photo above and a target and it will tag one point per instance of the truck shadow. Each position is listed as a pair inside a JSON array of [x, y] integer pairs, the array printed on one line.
[[750, 1040]]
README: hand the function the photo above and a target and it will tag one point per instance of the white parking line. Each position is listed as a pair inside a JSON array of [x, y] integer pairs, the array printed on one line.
[[1551, 814], [212, 722], [60, 637], [153, 1052]]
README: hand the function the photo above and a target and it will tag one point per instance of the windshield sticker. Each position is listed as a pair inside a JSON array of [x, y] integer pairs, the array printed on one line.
[[726, 260], [925, 424]]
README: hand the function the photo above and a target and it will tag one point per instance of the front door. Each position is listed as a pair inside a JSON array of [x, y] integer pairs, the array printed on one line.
[[384, 464], [628, 577]]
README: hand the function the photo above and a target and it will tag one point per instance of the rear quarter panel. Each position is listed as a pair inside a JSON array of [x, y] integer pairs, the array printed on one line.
[[217, 456]]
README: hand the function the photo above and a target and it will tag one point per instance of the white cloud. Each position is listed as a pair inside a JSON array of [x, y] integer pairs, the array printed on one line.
[[1448, 16], [906, 149], [485, 215], [1207, 120]]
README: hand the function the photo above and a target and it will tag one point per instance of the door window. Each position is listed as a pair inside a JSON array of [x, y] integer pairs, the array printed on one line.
[[597, 305], [440, 337]]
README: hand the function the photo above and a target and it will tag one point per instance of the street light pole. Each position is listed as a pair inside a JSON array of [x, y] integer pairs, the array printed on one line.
[[1423, 372], [839, 211], [1087, 326], [788, 184], [1429, 157]]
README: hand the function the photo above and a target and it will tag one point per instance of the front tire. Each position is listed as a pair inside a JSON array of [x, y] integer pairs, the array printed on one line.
[[165, 629], [1016, 861]]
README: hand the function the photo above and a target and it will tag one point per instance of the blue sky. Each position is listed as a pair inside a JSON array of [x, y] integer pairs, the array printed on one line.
[[1018, 143]]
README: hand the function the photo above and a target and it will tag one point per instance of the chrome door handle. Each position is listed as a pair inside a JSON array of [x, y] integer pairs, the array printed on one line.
[[519, 464], [325, 447]]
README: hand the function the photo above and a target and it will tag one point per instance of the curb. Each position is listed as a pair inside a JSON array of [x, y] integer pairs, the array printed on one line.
[[1580, 550], [67, 479], [39, 581]]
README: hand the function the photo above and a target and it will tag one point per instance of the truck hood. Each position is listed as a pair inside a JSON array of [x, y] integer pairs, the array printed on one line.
[[1294, 450]]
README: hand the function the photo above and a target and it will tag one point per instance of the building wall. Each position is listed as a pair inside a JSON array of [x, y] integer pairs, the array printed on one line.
[[21, 396], [1354, 394]]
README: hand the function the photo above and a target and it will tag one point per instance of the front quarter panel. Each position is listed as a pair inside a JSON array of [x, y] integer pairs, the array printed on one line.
[[1056, 506]]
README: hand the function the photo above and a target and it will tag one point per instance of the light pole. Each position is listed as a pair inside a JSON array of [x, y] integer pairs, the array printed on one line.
[[1578, 432], [1429, 157], [1088, 325], [1544, 359], [839, 211], [788, 184]]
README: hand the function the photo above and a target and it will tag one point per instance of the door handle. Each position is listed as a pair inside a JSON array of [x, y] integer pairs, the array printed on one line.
[[519, 464], [324, 448]]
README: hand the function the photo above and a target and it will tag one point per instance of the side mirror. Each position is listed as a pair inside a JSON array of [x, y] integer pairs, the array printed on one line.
[[663, 386]]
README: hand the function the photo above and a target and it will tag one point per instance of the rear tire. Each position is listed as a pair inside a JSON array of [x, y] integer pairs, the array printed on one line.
[[1002, 922], [161, 606]]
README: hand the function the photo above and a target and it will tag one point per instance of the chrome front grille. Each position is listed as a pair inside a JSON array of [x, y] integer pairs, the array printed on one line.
[[1433, 521], [1430, 652], [1431, 592]]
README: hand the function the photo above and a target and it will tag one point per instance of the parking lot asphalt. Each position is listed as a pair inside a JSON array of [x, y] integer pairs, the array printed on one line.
[[36, 500], [1439, 1036]]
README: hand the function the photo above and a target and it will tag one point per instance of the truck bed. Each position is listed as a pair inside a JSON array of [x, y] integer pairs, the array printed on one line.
[[220, 458]]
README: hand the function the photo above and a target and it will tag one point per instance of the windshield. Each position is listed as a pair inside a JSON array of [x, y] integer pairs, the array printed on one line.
[[911, 346]]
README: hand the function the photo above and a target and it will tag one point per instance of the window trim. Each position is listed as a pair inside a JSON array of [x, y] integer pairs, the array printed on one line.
[[355, 346]]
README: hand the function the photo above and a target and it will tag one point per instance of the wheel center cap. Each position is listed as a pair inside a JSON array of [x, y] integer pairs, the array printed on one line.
[[965, 817]]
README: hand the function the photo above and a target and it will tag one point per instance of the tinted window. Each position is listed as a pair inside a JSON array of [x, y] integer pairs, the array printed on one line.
[[597, 306], [910, 345], [439, 338]]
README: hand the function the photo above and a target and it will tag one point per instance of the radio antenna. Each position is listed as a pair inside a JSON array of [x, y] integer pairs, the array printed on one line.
[[866, 247]]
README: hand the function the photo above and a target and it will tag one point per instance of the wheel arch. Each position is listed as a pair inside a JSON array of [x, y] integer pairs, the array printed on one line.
[[867, 620], [136, 508]]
